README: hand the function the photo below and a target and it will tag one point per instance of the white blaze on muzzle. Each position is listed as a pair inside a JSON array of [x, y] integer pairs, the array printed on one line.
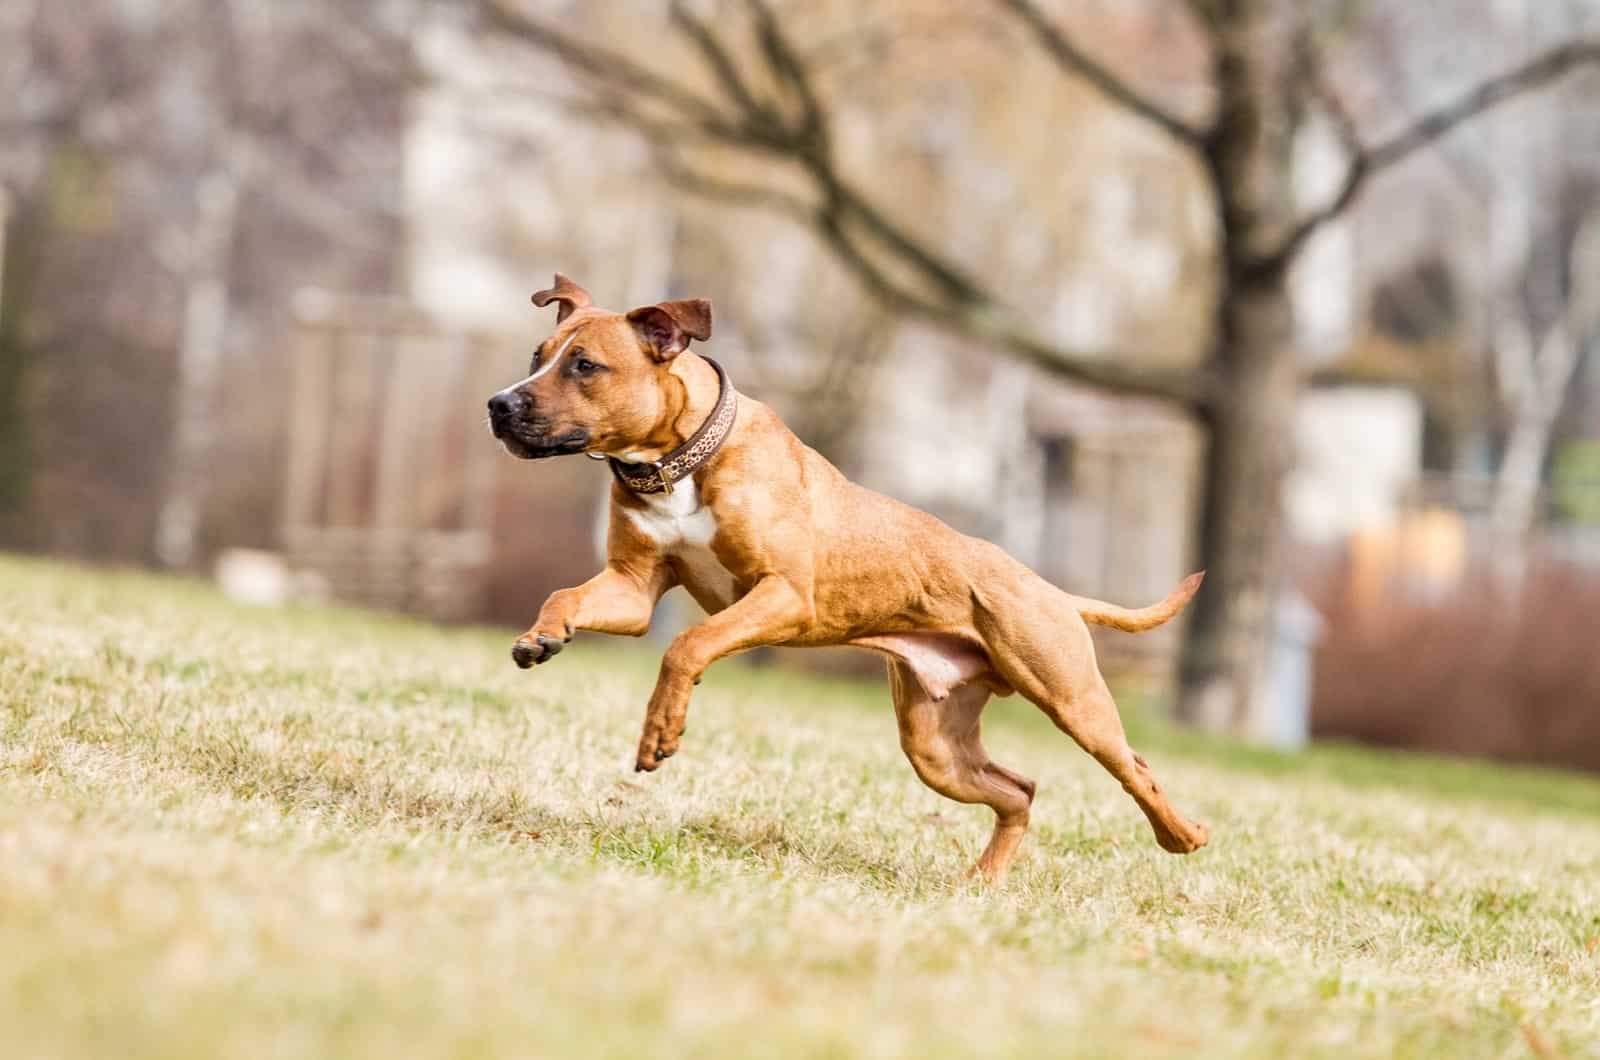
[[543, 368]]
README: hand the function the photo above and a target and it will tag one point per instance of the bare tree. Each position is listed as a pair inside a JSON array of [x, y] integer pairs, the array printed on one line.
[[756, 93], [1534, 377], [254, 86], [177, 169]]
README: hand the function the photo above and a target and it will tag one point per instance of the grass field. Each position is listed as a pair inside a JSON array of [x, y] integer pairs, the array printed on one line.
[[227, 832]]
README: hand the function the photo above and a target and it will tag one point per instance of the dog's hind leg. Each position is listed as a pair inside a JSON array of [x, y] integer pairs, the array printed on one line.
[[1043, 649], [941, 738], [1093, 721]]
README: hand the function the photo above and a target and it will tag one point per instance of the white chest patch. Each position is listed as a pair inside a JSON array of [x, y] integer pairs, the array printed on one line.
[[682, 528]]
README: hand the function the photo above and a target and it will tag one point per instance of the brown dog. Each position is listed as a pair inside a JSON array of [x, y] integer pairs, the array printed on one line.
[[715, 494]]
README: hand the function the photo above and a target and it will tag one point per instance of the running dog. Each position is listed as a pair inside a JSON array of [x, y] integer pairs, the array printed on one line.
[[712, 492]]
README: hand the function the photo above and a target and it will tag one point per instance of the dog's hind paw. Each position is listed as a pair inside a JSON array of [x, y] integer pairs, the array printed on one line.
[[531, 651]]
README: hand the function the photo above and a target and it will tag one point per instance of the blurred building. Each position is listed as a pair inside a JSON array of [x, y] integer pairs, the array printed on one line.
[[262, 264]]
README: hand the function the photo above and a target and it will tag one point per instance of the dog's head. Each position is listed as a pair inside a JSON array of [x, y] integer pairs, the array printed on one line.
[[596, 384]]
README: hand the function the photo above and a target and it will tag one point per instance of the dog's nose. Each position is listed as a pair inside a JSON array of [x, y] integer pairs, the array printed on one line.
[[506, 404]]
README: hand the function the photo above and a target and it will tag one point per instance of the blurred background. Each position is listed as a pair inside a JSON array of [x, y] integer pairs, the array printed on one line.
[[1304, 293]]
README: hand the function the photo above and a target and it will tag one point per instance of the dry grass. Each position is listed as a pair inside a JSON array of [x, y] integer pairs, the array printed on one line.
[[237, 833]]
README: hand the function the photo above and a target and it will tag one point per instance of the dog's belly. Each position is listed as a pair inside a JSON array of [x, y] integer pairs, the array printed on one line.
[[941, 662], [682, 528]]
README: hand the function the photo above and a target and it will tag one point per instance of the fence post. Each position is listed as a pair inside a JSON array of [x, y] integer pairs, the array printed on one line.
[[309, 387]]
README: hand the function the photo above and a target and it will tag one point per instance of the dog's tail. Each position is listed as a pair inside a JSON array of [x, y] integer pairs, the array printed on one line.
[[1137, 620]]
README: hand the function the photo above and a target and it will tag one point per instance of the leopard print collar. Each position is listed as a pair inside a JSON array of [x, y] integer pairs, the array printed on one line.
[[659, 476]]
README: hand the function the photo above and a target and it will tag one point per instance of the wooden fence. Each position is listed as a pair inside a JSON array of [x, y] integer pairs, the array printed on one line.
[[388, 492]]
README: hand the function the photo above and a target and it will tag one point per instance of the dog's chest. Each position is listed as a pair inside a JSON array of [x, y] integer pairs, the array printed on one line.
[[682, 528]]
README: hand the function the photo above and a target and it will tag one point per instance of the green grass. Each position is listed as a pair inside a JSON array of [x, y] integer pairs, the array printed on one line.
[[227, 832]]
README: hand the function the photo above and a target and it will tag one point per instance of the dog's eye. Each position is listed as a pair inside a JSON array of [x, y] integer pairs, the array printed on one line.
[[583, 366]]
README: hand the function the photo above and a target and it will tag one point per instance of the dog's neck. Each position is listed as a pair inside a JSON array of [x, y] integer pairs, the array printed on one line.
[[685, 406]]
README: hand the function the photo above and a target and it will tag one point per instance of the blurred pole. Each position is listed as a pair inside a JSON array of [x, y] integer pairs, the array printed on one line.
[[205, 323], [16, 454], [5, 226], [206, 298]]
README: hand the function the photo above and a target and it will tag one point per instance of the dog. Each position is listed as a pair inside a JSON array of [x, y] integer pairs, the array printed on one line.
[[712, 492]]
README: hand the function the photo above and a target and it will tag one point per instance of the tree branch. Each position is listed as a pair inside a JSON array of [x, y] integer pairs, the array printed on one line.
[[812, 147], [983, 320], [785, 60], [720, 61], [684, 177], [1068, 55], [1206, 14], [1365, 161], [900, 269], [613, 68], [993, 324], [1315, 76]]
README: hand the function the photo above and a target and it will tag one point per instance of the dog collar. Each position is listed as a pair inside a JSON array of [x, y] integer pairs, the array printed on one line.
[[658, 476]]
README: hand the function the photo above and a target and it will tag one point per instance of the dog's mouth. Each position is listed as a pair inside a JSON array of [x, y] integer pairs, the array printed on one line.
[[523, 442]]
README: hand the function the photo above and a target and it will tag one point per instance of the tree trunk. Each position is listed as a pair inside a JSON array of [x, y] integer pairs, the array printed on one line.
[[1248, 455], [1515, 507], [17, 264], [205, 323], [1250, 444], [1536, 385]]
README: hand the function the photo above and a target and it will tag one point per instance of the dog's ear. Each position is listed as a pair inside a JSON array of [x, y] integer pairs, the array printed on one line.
[[569, 294], [667, 327]]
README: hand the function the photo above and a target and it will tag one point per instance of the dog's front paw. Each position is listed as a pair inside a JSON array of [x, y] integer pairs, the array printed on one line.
[[653, 750], [531, 651]]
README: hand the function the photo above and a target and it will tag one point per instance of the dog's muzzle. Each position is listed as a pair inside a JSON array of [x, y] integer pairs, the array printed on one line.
[[512, 420]]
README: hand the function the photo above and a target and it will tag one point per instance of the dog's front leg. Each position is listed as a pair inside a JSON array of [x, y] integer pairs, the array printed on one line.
[[617, 600], [774, 611]]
